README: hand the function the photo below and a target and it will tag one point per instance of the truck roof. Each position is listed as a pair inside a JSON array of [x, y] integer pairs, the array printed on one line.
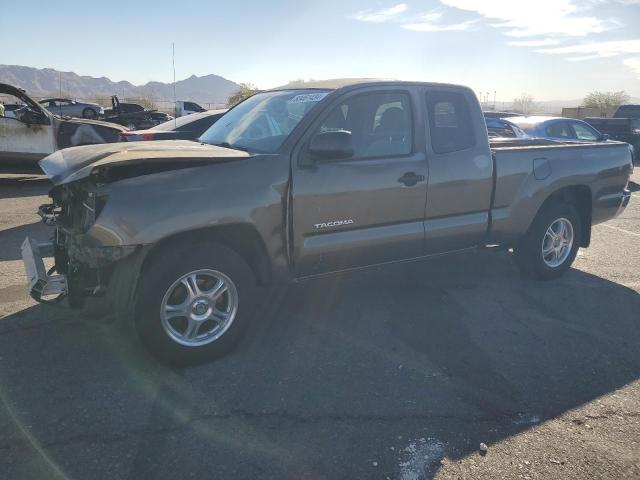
[[336, 83]]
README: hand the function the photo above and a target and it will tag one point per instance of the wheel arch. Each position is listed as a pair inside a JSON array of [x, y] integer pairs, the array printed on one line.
[[242, 238], [580, 196]]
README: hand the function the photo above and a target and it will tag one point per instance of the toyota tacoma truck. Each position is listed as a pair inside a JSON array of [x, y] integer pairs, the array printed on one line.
[[306, 181]]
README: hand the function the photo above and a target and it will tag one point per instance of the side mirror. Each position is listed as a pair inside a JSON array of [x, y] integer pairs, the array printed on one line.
[[603, 137], [332, 145]]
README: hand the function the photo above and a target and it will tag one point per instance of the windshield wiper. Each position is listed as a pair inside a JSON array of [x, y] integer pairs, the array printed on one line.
[[229, 145]]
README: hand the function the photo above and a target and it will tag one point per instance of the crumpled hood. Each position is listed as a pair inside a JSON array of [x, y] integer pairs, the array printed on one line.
[[71, 164]]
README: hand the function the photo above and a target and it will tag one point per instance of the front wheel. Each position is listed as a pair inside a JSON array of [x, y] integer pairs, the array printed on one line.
[[552, 243], [194, 304]]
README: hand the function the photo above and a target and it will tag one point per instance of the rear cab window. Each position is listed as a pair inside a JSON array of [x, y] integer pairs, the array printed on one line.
[[451, 128]]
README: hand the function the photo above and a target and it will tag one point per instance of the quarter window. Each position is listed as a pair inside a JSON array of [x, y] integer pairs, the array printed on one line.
[[450, 125], [380, 124]]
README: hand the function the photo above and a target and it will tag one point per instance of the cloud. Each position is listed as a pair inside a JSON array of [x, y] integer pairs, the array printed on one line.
[[521, 18], [633, 64], [534, 43], [597, 49], [592, 57], [427, 23], [381, 16]]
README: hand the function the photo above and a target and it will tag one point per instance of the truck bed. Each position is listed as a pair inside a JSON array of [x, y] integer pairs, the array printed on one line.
[[526, 171]]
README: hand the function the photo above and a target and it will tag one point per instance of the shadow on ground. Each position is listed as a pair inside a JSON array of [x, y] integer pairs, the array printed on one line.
[[379, 374], [23, 186], [11, 239]]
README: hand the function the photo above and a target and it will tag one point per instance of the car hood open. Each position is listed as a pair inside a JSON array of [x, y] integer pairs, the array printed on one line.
[[75, 163]]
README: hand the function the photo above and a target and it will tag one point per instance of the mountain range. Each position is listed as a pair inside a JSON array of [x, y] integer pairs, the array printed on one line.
[[50, 82], [207, 90]]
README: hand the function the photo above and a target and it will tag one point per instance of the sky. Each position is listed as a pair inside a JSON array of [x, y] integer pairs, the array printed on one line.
[[550, 49]]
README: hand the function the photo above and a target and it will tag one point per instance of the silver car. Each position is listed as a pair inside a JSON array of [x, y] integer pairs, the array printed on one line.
[[71, 108]]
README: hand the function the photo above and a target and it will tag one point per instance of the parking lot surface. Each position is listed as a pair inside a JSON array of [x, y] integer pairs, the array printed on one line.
[[396, 373]]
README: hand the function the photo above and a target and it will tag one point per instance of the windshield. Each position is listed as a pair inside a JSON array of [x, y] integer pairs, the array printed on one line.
[[262, 122]]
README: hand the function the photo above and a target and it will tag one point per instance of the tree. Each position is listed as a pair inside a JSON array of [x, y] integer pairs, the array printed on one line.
[[605, 100], [524, 104], [245, 91]]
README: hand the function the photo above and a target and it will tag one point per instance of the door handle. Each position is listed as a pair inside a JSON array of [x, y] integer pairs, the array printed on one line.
[[411, 178]]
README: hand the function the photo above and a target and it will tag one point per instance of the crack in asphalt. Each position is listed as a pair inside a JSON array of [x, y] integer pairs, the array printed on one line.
[[279, 416]]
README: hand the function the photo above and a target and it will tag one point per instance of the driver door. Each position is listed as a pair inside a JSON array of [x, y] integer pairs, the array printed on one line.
[[367, 208]]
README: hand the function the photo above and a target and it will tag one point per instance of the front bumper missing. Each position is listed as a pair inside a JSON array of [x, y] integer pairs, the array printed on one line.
[[41, 283]]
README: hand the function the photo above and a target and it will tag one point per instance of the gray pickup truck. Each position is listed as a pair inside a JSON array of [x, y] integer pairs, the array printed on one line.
[[305, 181]]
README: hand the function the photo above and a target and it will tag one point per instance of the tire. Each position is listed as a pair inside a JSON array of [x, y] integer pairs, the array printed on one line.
[[211, 325], [89, 113], [559, 257]]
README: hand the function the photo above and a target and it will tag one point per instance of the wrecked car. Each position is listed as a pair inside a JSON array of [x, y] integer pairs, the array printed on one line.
[[297, 183], [32, 132], [133, 116]]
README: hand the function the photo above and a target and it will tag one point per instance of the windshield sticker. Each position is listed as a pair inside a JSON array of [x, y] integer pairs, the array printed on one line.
[[308, 97]]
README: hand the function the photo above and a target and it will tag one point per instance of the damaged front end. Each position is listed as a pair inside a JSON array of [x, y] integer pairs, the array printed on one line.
[[81, 265]]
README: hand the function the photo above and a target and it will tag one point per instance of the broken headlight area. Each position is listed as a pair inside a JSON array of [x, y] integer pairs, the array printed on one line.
[[74, 208]]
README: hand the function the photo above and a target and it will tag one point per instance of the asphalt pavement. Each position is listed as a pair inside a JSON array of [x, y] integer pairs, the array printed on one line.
[[396, 373]]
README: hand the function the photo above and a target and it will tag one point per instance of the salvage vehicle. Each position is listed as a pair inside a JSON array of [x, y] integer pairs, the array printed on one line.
[[294, 184], [72, 108], [189, 127], [32, 132], [133, 116]]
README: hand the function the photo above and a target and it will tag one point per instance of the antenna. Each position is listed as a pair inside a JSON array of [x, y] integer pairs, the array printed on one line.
[[175, 101]]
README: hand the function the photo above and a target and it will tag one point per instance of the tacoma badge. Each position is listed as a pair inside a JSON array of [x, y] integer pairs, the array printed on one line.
[[334, 223]]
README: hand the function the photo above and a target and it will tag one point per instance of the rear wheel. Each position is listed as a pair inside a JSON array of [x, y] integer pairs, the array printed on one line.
[[552, 243], [194, 304]]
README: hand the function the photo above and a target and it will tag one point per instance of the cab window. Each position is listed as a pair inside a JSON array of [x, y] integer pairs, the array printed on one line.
[[380, 123]]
